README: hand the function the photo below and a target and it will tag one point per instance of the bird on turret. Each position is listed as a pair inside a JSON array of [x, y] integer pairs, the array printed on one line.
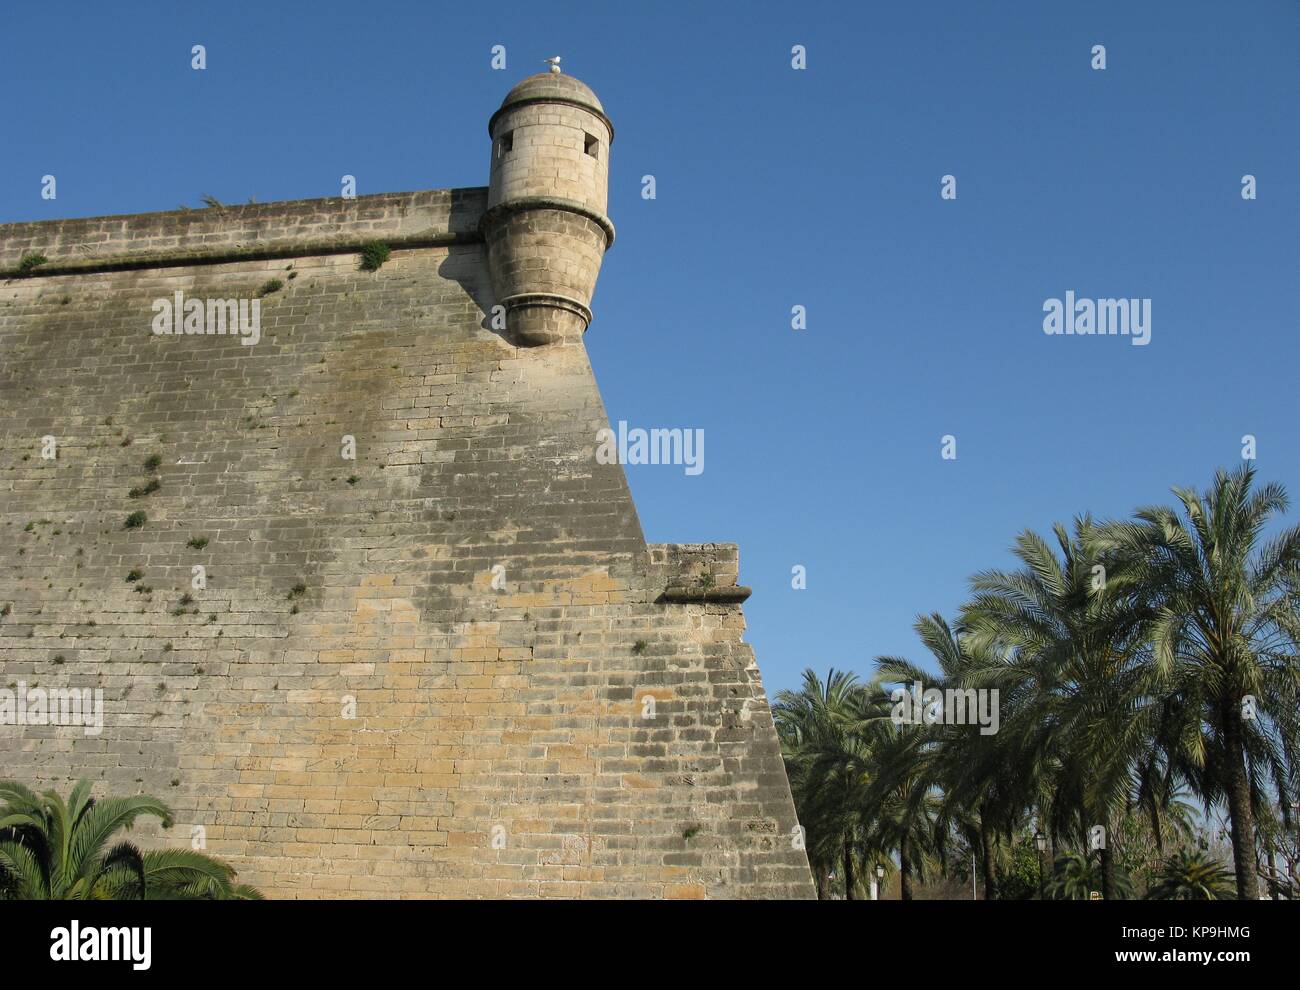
[[553, 62]]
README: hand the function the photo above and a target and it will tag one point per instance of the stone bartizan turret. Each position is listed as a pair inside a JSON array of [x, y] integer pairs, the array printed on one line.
[[545, 226]]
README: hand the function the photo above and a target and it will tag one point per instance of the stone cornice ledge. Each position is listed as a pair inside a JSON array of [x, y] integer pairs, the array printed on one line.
[[698, 594], [523, 204], [306, 248], [430, 218]]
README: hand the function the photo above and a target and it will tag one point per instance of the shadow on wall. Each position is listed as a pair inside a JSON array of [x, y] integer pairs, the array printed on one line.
[[466, 264]]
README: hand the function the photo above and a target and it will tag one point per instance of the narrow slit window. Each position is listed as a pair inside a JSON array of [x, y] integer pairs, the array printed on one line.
[[592, 146], [506, 144]]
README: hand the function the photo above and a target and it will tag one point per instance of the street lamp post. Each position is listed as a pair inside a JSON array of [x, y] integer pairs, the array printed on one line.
[[1040, 840]]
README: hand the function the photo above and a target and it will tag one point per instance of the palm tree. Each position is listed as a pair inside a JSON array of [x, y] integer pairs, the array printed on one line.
[[1224, 635], [902, 802], [1071, 629], [828, 764], [1075, 876], [858, 781], [1192, 876], [52, 850], [979, 801]]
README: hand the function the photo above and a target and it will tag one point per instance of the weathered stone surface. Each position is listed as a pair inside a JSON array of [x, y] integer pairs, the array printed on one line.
[[532, 716]]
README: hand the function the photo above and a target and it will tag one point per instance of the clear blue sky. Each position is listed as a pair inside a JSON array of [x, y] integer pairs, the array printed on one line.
[[779, 187]]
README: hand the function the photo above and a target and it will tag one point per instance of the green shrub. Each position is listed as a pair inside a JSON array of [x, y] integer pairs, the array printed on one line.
[[31, 260], [373, 256], [148, 489]]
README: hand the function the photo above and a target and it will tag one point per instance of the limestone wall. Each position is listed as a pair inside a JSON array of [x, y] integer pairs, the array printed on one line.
[[424, 672]]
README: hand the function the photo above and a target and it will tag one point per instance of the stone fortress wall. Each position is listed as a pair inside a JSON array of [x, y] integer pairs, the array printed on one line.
[[451, 667]]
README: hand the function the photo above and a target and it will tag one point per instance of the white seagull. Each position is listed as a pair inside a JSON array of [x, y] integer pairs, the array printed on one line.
[[553, 62]]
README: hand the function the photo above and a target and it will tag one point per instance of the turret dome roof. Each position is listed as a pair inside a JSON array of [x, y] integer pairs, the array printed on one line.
[[553, 87]]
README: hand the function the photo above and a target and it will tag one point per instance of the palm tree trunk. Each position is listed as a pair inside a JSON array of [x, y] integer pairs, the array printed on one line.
[[1239, 813], [1107, 871], [823, 886], [848, 871], [904, 870], [986, 856], [1156, 829]]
